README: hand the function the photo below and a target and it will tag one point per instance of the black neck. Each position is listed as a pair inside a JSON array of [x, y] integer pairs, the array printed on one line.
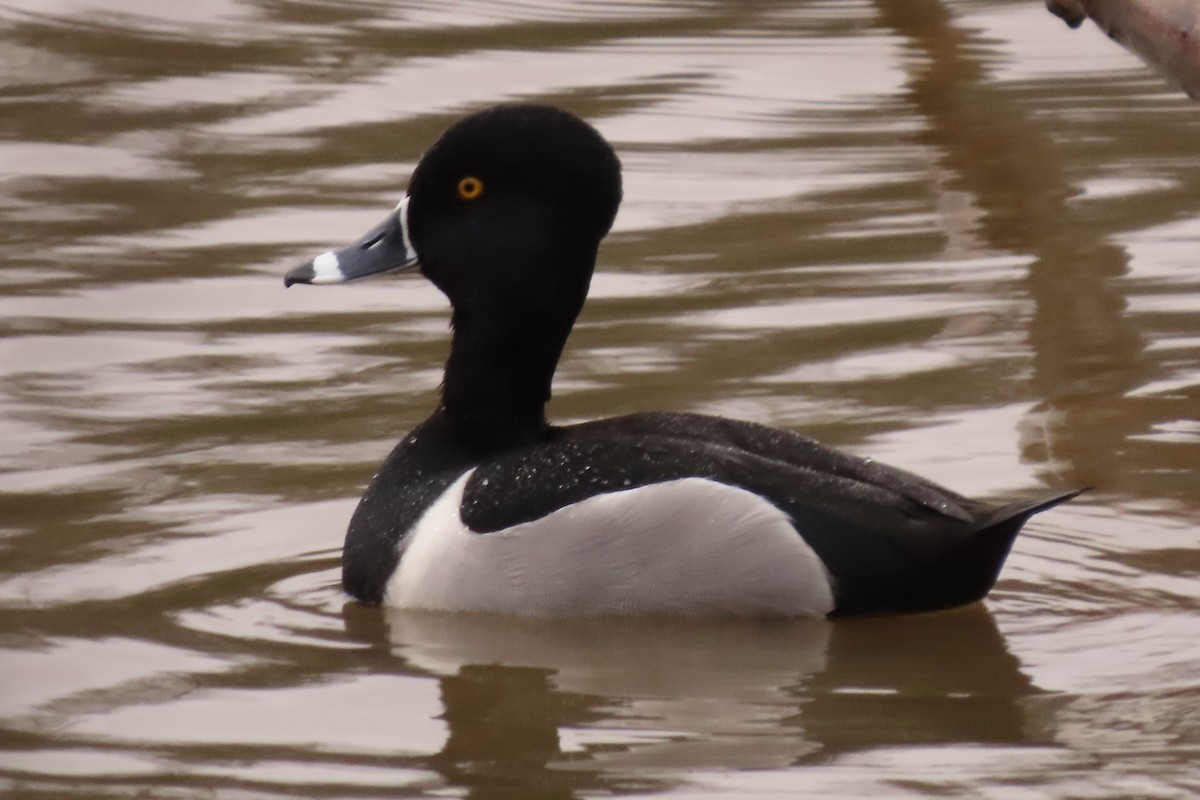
[[498, 376]]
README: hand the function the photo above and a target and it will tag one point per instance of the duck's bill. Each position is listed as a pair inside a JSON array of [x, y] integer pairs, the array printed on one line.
[[385, 248]]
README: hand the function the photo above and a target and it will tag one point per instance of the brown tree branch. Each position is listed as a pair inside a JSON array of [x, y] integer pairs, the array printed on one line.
[[1163, 33]]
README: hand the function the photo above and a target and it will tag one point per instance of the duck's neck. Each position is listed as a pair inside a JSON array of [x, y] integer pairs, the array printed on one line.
[[498, 377]]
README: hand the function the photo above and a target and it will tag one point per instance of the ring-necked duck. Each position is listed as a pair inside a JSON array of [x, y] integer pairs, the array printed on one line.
[[486, 506]]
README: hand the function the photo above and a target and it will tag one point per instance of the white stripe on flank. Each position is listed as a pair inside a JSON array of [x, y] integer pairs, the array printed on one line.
[[685, 547]]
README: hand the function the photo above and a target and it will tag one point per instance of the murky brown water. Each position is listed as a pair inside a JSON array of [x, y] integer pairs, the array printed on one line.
[[958, 237]]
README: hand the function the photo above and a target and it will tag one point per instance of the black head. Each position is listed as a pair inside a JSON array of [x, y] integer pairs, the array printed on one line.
[[504, 214], [509, 207]]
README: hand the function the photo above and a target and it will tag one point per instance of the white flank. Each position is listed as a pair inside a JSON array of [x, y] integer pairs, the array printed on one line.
[[326, 269], [685, 547]]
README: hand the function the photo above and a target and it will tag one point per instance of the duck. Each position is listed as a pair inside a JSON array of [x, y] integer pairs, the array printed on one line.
[[487, 506]]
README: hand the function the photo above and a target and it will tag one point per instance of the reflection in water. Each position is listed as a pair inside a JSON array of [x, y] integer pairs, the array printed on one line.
[[1086, 350], [568, 705], [688, 691], [926, 680]]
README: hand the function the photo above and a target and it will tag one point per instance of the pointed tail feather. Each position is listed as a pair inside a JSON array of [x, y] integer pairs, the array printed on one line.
[[1022, 510], [977, 562]]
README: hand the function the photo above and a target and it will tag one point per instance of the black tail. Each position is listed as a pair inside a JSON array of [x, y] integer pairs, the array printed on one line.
[[1022, 510], [976, 563]]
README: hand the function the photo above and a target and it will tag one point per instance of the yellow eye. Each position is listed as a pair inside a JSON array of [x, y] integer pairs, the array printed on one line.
[[470, 188]]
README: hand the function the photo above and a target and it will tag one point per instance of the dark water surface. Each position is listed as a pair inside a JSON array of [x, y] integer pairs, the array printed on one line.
[[956, 237]]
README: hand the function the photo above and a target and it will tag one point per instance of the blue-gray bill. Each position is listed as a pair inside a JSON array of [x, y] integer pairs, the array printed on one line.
[[385, 248]]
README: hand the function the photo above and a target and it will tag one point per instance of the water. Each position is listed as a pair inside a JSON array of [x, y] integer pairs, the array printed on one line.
[[958, 238]]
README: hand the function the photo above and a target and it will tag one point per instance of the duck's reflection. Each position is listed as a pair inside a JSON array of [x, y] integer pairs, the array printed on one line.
[[668, 692], [555, 707], [504, 724], [929, 679]]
